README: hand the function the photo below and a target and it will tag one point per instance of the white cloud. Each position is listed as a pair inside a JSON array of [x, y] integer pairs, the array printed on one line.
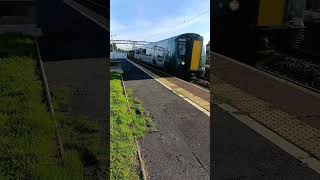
[[206, 37], [142, 29]]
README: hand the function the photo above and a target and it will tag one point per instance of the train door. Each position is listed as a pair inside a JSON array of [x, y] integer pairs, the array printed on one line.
[[137, 54], [183, 51], [160, 57], [143, 54], [149, 54], [154, 57]]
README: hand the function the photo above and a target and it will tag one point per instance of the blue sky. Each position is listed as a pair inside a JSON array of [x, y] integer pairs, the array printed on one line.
[[154, 20]]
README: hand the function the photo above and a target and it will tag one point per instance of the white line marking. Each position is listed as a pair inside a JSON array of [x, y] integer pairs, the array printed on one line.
[[183, 97], [285, 145], [73, 5]]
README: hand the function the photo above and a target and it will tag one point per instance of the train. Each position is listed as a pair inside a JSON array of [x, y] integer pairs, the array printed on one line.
[[182, 55], [241, 28]]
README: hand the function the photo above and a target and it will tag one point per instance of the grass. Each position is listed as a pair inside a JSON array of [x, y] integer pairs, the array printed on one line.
[[28, 145], [16, 46], [25, 126], [124, 128]]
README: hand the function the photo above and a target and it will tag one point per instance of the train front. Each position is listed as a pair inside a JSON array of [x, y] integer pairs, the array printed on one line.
[[190, 52]]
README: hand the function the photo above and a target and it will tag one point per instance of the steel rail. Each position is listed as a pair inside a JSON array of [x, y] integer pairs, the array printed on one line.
[[288, 79]]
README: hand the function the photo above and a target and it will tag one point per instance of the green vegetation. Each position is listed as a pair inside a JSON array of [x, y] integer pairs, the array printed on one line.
[[28, 144], [25, 125], [124, 128], [16, 46], [26, 130]]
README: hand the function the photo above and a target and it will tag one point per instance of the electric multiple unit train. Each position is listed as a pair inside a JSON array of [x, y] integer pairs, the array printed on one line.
[[182, 55], [243, 27]]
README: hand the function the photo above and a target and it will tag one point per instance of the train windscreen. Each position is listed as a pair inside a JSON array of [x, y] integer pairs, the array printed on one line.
[[182, 47]]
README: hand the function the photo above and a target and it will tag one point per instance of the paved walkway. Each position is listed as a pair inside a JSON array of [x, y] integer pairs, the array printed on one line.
[[68, 34], [238, 152], [88, 80], [194, 93], [180, 150], [282, 107]]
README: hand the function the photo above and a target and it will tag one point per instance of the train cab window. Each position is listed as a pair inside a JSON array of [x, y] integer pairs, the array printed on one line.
[[143, 51], [138, 52], [182, 47]]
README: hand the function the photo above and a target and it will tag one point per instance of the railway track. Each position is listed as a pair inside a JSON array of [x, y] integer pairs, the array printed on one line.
[[300, 69], [288, 79], [196, 81]]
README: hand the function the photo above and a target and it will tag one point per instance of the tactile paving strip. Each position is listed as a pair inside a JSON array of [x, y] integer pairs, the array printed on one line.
[[287, 126]]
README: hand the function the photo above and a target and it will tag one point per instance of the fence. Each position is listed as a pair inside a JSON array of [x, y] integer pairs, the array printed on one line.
[[115, 61]]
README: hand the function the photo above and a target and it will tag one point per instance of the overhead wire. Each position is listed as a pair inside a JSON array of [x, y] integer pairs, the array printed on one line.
[[192, 18], [200, 14]]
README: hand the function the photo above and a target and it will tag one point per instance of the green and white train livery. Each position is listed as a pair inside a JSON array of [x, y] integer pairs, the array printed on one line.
[[182, 55]]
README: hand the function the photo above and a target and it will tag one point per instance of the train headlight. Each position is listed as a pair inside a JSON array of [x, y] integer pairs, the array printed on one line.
[[183, 63], [234, 5]]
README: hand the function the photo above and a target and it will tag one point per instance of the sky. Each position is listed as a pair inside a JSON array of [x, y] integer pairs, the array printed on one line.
[[155, 20]]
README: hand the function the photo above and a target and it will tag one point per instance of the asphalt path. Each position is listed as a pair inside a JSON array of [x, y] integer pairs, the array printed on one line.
[[99, 6], [238, 152], [180, 149], [67, 34]]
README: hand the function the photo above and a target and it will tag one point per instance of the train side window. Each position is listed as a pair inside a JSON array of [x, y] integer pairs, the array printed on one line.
[[144, 51], [148, 51]]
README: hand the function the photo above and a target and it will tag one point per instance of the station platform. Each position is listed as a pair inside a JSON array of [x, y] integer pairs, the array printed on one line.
[[87, 79], [195, 94], [239, 152], [288, 110], [71, 31], [180, 148]]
